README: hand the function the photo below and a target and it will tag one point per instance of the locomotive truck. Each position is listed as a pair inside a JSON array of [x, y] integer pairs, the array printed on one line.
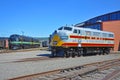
[[75, 41]]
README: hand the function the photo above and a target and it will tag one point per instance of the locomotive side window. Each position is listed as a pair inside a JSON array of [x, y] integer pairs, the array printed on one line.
[[78, 31], [104, 35], [21, 38], [88, 33], [110, 35], [75, 31], [17, 39], [97, 34], [27, 39]]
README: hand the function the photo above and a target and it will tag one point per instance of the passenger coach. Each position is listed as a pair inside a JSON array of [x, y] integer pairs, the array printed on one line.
[[75, 41]]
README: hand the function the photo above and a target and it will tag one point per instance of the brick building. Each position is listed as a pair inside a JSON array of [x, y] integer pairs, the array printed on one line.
[[107, 22]]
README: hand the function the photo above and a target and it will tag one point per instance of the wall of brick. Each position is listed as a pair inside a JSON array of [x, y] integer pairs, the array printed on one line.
[[113, 26]]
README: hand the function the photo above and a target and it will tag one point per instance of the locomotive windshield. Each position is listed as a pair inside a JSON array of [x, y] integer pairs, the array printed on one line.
[[60, 28], [65, 28], [68, 28], [14, 38]]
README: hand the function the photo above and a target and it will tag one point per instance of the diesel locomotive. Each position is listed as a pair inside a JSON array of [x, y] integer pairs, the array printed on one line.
[[22, 42], [76, 41]]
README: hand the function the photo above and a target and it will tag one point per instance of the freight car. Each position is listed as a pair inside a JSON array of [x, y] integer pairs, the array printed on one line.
[[75, 41], [22, 42], [4, 43]]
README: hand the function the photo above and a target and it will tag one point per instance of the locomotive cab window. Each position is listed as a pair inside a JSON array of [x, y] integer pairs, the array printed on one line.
[[14, 38], [75, 31], [60, 28], [68, 28]]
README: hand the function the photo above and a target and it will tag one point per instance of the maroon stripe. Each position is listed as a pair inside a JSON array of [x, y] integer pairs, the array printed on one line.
[[88, 45], [86, 37]]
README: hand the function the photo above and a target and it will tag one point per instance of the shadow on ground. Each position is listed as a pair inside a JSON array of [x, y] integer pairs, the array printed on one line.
[[44, 55]]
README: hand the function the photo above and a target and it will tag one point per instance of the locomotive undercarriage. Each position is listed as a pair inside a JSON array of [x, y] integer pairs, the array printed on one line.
[[79, 51]]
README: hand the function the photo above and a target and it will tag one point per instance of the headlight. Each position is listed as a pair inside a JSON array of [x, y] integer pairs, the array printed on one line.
[[64, 37]]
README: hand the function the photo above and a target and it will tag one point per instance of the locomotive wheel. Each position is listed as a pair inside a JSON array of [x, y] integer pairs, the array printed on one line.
[[73, 55], [85, 52], [79, 54], [107, 52], [101, 51], [54, 53], [67, 54]]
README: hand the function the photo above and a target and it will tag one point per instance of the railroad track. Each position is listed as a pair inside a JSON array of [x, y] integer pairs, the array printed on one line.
[[94, 71]]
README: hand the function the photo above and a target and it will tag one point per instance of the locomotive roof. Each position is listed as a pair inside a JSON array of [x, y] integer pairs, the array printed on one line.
[[17, 35], [89, 29]]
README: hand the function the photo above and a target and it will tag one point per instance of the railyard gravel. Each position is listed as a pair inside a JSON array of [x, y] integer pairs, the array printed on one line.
[[10, 69], [99, 75], [117, 78]]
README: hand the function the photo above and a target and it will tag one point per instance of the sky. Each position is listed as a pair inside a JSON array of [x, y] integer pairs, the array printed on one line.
[[39, 18]]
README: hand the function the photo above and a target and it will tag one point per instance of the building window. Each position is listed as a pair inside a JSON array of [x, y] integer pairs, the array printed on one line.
[[105, 18], [94, 26], [113, 16], [118, 16]]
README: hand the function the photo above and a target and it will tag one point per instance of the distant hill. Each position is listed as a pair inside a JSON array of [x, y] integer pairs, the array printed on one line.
[[43, 38], [3, 38]]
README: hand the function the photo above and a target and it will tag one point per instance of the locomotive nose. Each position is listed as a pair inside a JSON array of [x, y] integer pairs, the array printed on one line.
[[63, 35], [58, 38]]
